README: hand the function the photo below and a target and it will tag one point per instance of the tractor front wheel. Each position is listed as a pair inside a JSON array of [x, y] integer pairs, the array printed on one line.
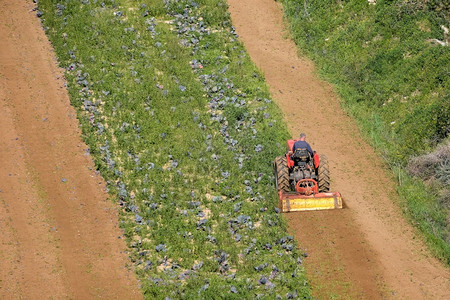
[[324, 175], [281, 173]]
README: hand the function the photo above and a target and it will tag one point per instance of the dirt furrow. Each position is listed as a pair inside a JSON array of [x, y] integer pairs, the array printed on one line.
[[367, 250], [59, 234]]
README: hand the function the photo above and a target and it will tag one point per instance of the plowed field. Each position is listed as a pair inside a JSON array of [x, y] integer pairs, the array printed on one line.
[[59, 235]]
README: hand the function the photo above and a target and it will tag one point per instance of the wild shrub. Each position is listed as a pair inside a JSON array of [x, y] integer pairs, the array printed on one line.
[[434, 165], [435, 168]]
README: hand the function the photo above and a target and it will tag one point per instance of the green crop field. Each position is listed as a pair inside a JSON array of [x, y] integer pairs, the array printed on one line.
[[180, 124], [390, 65]]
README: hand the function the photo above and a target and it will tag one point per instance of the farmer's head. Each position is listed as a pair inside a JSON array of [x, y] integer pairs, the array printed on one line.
[[302, 136]]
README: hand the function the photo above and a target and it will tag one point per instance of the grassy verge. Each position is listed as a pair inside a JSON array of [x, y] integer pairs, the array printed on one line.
[[181, 125], [393, 77]]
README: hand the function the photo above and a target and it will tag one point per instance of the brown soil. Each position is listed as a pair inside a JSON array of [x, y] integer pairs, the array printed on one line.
[[59, 232], [367, 250]]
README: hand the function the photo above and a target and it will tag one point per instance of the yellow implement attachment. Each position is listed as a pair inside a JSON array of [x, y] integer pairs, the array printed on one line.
[[296, 202]]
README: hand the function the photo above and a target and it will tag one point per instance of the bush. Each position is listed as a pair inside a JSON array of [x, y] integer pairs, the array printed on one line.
[[432, 166]]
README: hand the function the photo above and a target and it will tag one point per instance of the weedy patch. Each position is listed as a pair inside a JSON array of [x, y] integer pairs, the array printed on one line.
[[180, 124]]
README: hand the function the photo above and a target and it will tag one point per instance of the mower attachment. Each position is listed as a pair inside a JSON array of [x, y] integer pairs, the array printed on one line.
[[291, 201]]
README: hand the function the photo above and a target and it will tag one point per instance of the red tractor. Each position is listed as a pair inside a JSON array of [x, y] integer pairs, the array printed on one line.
[[303, 181]]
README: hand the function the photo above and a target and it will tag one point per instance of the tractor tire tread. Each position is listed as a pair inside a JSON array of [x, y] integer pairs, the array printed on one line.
[[281, 172], [324, 175]]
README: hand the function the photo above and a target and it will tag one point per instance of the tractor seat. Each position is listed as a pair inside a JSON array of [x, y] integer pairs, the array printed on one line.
[[301, 155]]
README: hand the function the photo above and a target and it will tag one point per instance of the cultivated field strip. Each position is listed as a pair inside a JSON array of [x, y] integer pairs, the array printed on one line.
[[59, 233], [181, 125]]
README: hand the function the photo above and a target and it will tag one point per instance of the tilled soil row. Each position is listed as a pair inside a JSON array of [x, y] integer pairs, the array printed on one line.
[[59, 232], [367, 250]]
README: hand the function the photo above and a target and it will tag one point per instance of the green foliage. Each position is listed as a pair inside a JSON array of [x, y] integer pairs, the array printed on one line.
[[427, 214], [391, 77], [381, 54], [180, 124]]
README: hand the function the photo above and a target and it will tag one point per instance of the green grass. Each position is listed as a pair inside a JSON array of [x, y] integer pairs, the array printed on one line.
[[180, 124], [392, 80]]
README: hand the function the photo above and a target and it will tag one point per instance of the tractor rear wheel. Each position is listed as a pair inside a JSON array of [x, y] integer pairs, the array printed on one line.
[[281, 173], [324, 175]]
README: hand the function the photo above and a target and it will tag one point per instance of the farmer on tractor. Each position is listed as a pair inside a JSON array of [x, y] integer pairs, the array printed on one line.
[[302, 179], [302, 144]]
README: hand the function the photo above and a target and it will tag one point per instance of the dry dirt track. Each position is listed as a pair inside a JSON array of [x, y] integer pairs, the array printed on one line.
[[367, 250], [58, 231]]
